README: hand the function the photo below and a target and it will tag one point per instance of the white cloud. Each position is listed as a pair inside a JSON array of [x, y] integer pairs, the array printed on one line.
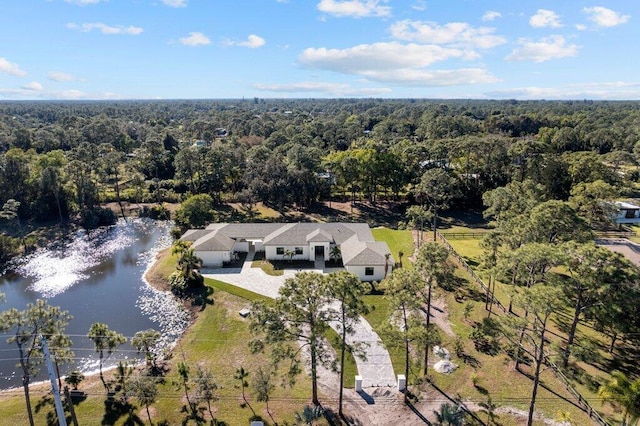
[[552, 47], [252, 42], [581, 27], [60, 76], [195, 39], [598, 91], [419, 5], [395, 63], [545, 18], [354, 8], [34, 85], [11, 68], [83, 2], [33, 93], [175, 3], [454, 33], [333, 89], [433, 78], [490, 15], [604, 17], [105, 29], [70, 94], [378, 56]]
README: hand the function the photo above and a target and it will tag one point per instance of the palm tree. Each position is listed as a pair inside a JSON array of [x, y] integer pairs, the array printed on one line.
[[145, 341], [289, 253], [123, 374], [309, 414], [335, 253], [489, 407], [74, 378], [188, 264], [449, 415], [386, 264], [623, 393], [104, 340], [145, 390]]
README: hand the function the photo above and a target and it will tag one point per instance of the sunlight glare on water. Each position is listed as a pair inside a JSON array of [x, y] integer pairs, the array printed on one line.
[[54, 271]]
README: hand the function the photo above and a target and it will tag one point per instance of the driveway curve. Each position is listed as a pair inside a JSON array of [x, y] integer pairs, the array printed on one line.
[[376, 369]]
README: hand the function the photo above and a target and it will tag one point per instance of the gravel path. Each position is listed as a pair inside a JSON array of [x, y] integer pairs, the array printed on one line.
[[376, 369]]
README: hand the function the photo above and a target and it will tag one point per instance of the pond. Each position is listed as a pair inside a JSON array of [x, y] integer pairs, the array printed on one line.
[[98, 277]]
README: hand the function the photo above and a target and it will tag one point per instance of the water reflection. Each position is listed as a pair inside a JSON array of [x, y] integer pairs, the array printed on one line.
[[97, 277]]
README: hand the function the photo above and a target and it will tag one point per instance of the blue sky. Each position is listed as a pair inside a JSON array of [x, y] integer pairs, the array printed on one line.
[[168, 49]]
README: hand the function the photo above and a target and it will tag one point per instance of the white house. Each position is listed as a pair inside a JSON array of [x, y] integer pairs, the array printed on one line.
[[627, 213], [361, 254]]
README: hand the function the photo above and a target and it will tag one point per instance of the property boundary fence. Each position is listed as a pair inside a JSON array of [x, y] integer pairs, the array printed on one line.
[[582, 402], [464, 235], [615, 234]]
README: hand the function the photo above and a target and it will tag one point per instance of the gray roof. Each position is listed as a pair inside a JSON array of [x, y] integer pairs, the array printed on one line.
[[365, 253], [240, 231], [194, 234], [319, 236], [357, 245], [215, 241]]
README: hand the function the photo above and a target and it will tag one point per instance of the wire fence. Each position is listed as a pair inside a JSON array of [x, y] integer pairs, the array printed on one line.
[[582, 401]]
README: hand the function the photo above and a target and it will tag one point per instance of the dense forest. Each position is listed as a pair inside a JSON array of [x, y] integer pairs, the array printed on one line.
[[59, 161]]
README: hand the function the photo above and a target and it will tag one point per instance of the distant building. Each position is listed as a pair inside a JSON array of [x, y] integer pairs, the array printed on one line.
[[200, 143], [628, 213]]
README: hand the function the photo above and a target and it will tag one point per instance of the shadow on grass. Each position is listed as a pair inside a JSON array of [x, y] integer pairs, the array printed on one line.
[[114, 410], [467, 218], [457, 403], [200, 296]]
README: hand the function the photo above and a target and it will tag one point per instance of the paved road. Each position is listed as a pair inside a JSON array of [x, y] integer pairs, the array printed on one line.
[[376, 370]]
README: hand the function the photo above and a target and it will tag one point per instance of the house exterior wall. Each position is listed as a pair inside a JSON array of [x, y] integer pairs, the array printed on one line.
[[270, 253], [242, 246], [360, 271], [628, 216], [213, 258]]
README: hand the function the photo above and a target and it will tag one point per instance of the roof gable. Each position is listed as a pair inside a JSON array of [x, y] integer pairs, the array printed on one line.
[[215, 241], [318, 236]]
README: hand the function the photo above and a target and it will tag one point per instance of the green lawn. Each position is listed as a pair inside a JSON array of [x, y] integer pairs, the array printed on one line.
[[350, 367], [217, 340], [397, 240], [495, 376]]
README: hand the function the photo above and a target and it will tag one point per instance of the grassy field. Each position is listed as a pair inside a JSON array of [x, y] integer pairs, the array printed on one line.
[[398, 241], [587, 377], [218, 341]]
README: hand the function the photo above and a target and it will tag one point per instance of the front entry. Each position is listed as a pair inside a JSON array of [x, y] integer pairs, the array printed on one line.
[[319, 259]]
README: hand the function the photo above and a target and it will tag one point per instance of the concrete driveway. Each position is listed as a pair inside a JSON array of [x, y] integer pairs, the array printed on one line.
[[376, 370]]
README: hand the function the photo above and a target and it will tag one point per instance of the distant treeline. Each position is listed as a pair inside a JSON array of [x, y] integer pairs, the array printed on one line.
[[60, 160]]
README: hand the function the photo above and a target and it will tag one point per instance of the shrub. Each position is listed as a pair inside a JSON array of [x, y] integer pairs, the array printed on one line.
[[179, 283], [157, 212], [97, 217], [486, 336]]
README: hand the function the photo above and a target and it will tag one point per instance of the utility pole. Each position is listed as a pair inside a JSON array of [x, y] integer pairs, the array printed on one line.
[[62, 421]]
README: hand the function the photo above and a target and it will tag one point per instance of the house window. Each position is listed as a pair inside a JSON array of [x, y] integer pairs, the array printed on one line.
[[280, 250], [298, 250], [368, 270]]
